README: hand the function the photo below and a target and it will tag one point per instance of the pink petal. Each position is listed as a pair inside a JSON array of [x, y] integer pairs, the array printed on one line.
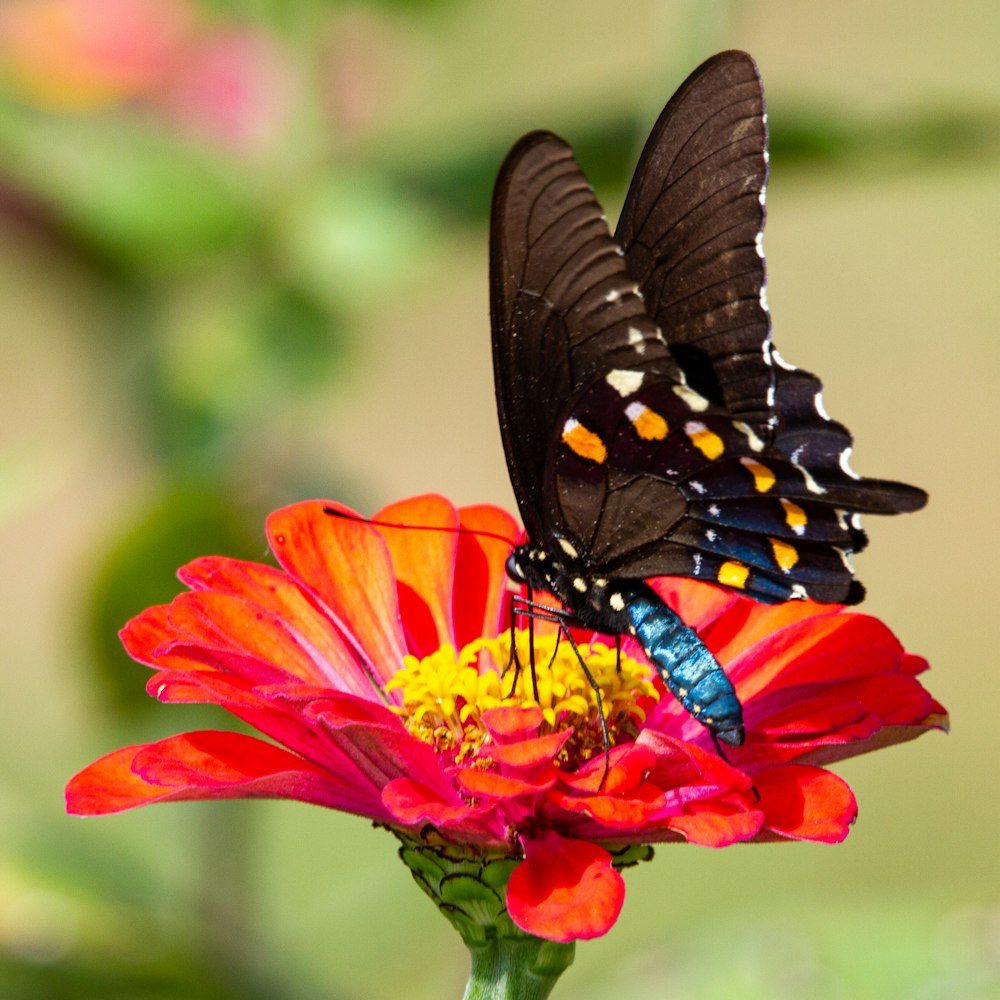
[[344, 564], [565, 890]]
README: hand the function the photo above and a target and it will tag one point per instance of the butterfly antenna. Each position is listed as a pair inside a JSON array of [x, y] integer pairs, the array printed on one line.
[[446, 528]]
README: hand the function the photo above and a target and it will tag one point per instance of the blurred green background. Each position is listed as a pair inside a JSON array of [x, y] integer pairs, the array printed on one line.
[[243, 261]]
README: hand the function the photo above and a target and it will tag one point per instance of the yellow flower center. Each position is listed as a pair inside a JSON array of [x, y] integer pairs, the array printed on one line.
[[445, 694]]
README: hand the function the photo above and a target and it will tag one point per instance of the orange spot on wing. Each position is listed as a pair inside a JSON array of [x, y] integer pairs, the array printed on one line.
[[785, 555], [763, 477], [795, 516], [585, 443], [648, 424], [733, 574], [707, 442]]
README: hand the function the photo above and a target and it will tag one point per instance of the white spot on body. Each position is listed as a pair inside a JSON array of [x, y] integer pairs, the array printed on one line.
[[624, 382], [580, 584], [568, 547], [617, 602]]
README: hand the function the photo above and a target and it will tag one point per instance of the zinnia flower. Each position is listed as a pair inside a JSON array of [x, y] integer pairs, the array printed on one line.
[[372, 661]]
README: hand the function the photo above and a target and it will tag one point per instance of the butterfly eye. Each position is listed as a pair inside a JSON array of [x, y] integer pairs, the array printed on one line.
[[514, 570]]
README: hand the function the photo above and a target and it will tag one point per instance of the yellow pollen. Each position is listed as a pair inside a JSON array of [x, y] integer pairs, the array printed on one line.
[[444, 695], [585, 443], [707, 442], [763, 477], [733, 574], [785, 555]]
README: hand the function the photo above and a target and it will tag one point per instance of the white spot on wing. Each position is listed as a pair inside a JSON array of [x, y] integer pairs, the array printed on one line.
[[624, 382], [845, 457], [758, 243], [613, 296], [713, 509], [820, 408], [636, 340], [694, 400], [745, 429], [697, 563], [846, 560], [811, 483], [779, 360], [799, 592], [696, 486], [763, 298], [711, 534]]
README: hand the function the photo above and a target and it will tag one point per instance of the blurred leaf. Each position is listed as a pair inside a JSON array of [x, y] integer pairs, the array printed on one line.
[[354, 239], [140, 570], [126, 189]]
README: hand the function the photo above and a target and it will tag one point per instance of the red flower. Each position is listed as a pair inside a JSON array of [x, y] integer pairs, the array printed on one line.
[[346, 658]]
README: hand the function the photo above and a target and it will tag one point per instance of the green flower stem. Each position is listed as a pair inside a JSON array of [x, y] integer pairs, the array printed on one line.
[[525, 968]]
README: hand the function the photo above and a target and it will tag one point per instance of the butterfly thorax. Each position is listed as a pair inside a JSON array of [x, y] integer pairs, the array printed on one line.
[[592, 600]]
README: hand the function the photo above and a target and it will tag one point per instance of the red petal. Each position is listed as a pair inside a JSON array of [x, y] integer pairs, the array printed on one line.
[[527, 753], [717, 824], [565, 890], [200, 765], [490, 785], [508, 723], [147, 635], [626, 812], [345, 565], [277, 593], [806, 803], [424, 564], [237, 624], [480, 580], [415, 805]]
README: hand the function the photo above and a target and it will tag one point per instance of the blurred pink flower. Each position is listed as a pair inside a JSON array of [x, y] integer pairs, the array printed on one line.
[[233, 86]]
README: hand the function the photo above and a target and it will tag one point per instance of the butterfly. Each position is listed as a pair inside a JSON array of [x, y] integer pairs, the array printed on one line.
[[650, 426]]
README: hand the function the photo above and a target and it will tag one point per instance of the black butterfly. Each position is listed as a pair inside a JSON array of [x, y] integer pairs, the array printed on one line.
[[651, 428]]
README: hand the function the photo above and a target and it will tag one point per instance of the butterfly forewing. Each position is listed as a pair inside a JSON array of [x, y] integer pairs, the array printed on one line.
[[563, 307], [691, 231]]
